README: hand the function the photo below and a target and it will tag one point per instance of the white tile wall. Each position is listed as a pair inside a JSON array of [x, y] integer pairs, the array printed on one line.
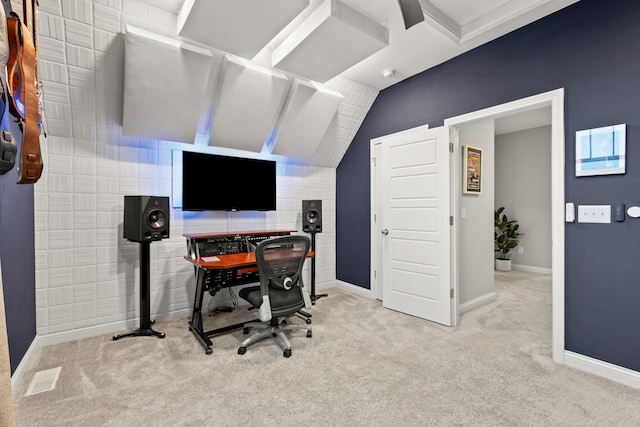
[[86, 273]]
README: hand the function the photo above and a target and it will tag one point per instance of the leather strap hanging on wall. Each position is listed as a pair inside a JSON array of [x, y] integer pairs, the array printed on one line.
[[24, 105], [8, 146], [34, 30]]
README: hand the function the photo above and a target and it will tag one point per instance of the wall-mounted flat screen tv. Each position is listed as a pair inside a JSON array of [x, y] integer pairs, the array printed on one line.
[[224, 183]]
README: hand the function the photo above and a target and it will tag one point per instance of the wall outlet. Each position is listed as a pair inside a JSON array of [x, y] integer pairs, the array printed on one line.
[[520, 249]]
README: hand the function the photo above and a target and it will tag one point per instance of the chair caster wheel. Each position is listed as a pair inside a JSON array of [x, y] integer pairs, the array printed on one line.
[[245, 331], [308, 334], [242, 350], [208, 351], [308, 321], [274, 334], [287, 353]]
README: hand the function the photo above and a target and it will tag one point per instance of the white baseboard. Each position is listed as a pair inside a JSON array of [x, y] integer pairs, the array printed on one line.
[[530, 269], [477, 302], [92, 331], [354, 289], [24, 364], [602, 369]]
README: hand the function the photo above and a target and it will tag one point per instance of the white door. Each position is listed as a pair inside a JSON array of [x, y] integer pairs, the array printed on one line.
[[415, 228]]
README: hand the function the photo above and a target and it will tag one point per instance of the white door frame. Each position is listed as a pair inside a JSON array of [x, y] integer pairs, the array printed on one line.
[[553, 99]]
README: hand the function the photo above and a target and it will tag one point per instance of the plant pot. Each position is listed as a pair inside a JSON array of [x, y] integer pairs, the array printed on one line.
[[503, 264]]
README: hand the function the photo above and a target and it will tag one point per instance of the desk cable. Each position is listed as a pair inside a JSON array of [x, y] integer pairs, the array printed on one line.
[[223, 309]]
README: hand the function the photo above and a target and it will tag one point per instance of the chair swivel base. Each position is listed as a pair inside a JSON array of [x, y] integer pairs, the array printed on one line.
[[268, 329]]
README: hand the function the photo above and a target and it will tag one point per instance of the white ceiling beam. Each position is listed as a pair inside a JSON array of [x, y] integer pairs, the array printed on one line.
[[441, 21], [332, 39], [239, 27]]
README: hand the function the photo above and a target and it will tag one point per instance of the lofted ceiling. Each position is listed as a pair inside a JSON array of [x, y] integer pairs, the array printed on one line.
[[296, 77], [450, 27]]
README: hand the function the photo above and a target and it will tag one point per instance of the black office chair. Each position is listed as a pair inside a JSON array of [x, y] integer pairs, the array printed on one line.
[[281, 292]]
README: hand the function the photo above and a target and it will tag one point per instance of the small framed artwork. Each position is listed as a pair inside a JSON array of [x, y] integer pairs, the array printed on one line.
[[601, 151], [471, 170]]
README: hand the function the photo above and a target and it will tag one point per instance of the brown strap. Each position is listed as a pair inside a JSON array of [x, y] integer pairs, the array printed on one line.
[[8, 146], [23, 88], [15, 79]]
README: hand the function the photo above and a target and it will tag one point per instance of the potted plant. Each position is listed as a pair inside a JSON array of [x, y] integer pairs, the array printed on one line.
[[506, 238]]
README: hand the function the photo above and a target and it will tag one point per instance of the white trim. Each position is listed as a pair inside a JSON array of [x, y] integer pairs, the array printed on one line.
[[354, 289], [24, 364], [477, 302], [602, 369], [555, 99], [530, 269]]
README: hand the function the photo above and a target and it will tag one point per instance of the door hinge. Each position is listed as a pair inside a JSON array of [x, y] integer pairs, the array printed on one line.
[[451, 147], [451, 293], [375, 217], [375, 274], [451, 220], [374, 161]]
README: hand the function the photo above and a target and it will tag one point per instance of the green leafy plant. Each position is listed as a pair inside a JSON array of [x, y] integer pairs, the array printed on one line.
[[506, 234]]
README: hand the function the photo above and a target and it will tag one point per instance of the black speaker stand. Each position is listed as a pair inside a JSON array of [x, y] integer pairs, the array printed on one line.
[[314, 297], [145, 329]]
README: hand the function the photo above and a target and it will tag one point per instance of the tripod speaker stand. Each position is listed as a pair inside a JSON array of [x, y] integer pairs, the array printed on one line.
[[146, 220], [145, 329]]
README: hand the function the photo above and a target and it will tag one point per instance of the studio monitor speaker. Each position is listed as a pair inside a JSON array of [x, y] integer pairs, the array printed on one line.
[[312, 216], [146, 218]]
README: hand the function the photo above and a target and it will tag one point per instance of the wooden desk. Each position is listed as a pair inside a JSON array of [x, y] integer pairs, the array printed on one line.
[[216, 272]]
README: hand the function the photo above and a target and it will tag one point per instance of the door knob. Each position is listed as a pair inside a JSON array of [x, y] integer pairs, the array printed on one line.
[[385, 231]]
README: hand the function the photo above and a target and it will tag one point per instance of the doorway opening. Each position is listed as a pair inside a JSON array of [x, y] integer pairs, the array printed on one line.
[[553, 100]]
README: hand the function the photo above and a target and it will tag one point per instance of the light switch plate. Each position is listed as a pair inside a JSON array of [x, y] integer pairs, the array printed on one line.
[[594, 214], [570, 212]]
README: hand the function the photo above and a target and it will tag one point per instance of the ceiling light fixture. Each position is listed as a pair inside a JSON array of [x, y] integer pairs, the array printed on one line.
[[388, 72]]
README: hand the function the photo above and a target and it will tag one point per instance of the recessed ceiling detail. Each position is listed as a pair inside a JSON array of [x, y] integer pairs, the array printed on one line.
[[246, 105], [240, 27], [309, 110], [332, 39], [164, 86]]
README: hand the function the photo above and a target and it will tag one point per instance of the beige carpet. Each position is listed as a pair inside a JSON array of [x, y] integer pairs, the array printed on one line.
[[364, 366]]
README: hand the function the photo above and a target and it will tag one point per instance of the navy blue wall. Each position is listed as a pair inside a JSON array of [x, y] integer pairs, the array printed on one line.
[[590, 49], [17, 254]]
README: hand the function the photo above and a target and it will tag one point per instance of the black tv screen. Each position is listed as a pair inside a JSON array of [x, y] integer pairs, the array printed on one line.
[[223, 183]]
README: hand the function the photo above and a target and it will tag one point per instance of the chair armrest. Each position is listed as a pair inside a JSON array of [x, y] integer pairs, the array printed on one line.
[[264, 313], [305, 296]]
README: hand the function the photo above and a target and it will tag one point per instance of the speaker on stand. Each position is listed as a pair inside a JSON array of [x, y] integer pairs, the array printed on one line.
[[146, 220], [312, 224]]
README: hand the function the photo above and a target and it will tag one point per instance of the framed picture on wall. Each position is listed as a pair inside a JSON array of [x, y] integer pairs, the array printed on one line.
[[471, 170], [601, 151]]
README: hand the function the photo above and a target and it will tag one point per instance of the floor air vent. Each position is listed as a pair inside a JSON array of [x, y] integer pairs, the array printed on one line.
[[43, 381]]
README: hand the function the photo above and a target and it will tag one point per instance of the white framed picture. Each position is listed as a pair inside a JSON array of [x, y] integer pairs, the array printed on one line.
[[601, 151]]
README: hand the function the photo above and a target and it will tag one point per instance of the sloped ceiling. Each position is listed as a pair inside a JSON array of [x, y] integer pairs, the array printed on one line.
[[450, 27]]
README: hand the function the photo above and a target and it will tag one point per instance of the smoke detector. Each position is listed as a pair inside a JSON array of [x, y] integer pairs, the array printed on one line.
[[389, 72]]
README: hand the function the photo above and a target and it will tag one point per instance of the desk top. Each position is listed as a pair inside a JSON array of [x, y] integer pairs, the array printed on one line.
[[220, 262], [237, 233]]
